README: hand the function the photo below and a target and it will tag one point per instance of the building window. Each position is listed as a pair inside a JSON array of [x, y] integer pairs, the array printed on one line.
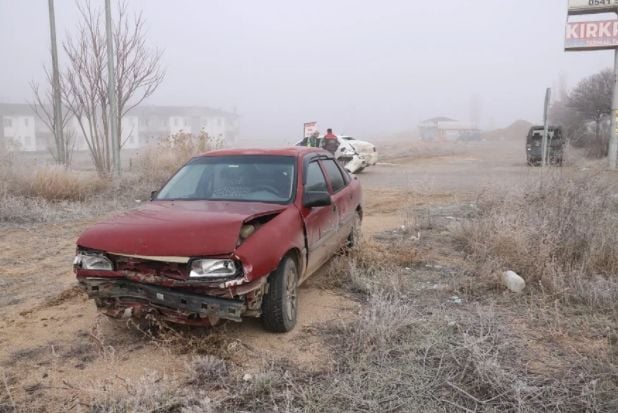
[[27, 141], [26, 121], [8, 122]]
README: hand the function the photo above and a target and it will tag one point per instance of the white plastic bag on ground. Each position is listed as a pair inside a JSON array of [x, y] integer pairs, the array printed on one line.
[[513, 281]]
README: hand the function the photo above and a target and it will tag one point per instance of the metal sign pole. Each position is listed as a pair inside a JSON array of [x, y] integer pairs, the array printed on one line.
[[111, 90], [57, 101], [613, 139], [546, 126]]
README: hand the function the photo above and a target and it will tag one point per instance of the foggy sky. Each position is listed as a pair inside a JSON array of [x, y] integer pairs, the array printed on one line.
[[364, 68]]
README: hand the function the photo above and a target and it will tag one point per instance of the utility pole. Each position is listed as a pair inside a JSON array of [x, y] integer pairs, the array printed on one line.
[[546, 125], [111, 91], [57, 103], [613, 137]]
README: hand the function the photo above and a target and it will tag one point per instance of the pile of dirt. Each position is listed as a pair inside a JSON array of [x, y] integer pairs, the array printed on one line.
[[517, 130]]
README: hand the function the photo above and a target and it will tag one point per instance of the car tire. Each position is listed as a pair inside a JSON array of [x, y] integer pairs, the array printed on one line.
[[280, 305]]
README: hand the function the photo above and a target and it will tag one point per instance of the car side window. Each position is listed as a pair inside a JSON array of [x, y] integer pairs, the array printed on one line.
[[315, 181], [335, 176]]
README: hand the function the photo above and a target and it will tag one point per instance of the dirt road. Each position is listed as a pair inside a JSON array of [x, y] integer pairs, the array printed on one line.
[[53, 345]]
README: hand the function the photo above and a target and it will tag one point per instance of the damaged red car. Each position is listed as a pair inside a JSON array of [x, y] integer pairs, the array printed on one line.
[[232, 234]]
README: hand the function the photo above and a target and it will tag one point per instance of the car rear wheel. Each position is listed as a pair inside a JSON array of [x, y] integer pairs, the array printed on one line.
[[280, 305]]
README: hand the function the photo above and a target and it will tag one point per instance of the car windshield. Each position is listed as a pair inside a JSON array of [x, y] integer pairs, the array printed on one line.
[[246, 178]]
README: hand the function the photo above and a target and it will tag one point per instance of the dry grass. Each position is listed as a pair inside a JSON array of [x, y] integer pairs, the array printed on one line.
[[408, 350], [49, 194], [52, 194], [56, 183], [157, 163], [561, 235]]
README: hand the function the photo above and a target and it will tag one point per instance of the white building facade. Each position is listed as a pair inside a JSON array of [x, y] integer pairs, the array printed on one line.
[[22, 130], [18, 128]]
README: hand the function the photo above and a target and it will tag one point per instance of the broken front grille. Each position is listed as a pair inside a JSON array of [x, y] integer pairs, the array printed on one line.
[[176, 271]]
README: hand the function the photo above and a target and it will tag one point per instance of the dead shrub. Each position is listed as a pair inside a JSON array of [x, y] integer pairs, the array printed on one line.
[[157, 163], [20, 210], [394, 358], [150, 393], [561, 233], [370, 266], [207, 371], [55, 183]]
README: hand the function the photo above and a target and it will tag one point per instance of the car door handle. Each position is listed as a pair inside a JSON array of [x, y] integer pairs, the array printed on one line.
[[334, 208]]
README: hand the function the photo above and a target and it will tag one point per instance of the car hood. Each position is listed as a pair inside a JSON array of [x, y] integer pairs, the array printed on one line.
[[362, 146], [175, 228]]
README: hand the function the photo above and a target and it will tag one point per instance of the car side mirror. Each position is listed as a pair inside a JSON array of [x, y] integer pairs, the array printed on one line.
[[316, 199], [153, 195]]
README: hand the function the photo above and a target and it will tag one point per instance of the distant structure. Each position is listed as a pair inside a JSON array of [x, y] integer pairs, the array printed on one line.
[[22, 130], [442, 129]]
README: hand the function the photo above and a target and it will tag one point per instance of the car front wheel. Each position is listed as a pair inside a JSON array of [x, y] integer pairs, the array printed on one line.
[[280, 305]]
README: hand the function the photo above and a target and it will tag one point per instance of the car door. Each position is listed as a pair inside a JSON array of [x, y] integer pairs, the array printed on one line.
[[321, 222], [343, 201]]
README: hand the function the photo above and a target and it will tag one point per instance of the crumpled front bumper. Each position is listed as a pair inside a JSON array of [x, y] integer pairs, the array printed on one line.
[[120, 298]]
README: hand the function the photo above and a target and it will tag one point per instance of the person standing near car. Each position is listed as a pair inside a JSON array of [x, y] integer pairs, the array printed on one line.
[[314, 140], [330, 141]]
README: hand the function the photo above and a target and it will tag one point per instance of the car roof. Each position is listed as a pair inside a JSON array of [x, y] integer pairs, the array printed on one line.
[[541, 127], [296, 151]]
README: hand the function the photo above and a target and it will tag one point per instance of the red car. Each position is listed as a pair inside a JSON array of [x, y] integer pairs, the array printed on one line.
[[233, 233]]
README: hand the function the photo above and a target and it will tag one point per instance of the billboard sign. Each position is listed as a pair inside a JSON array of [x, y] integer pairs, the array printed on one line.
[[310, 127], [592, 6], [591, 35]]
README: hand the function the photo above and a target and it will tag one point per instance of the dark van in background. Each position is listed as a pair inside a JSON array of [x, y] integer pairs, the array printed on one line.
[[555, 145]]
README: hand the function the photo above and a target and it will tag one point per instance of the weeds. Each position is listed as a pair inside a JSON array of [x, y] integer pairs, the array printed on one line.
[[561, 234], [157, 163], [52, 194], [206, 371], [58, 184]]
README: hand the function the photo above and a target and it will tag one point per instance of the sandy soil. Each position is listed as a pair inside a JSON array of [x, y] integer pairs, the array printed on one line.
[[53, 345]]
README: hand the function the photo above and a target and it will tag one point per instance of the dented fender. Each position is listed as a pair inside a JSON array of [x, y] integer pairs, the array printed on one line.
[[262, 252]]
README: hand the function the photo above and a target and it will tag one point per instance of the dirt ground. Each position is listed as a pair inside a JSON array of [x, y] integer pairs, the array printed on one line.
[[54, 346]]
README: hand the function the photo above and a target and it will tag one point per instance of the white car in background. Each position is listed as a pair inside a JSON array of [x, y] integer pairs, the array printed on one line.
[[354, 154], [366, 151]]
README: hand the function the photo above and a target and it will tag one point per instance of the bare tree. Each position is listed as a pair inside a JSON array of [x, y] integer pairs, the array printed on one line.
[[138, 75], [573, 123], [43, 107], [138, 68], [592, 99]]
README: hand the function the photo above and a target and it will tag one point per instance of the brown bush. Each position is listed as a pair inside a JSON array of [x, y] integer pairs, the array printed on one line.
[[561, 233], [157, 163], [55, 183]]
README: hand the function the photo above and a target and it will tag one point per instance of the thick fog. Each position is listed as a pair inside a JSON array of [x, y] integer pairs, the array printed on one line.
[[365, 68]]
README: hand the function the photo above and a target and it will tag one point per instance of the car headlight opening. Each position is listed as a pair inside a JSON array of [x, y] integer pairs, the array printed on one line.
[[213, 268], [93, 261]]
